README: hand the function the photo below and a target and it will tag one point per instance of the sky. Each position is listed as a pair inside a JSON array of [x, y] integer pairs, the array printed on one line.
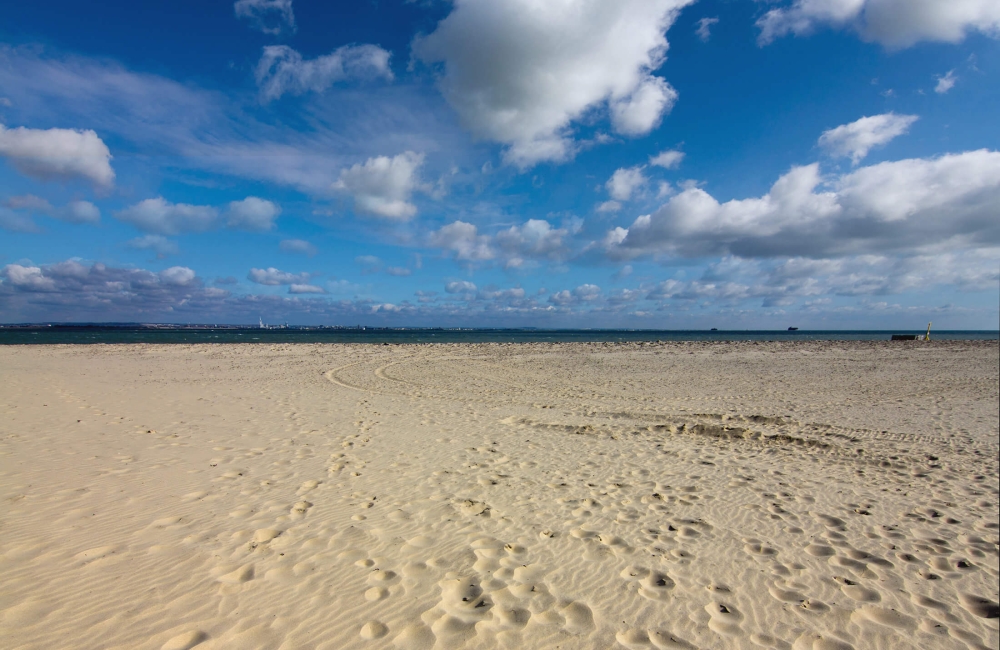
[[662, 164]]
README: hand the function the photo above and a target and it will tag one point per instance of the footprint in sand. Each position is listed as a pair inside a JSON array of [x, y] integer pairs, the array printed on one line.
[[655, 585], [725, 619], [785, 595]]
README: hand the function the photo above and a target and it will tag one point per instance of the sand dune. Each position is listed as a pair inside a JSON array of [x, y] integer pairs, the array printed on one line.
[[748, 495]]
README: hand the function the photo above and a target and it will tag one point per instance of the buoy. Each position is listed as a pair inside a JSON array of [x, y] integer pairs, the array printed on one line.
[[927, 336]]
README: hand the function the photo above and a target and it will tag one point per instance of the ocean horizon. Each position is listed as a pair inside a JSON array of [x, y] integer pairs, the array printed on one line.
[[160, 333]]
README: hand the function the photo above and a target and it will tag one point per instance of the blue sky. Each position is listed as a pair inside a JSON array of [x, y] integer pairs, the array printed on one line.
[[582, 163]]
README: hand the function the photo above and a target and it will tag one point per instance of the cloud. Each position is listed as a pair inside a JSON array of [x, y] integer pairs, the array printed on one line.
[[521, 72], [74, 291], [609, 206], [785, 281], [535, 239], [162, 217], [305, 288], [459, 286], [299, 246], [282, 70], [28, 202], [253, 214], [856, 139], [156, 243], [269, 16], [180, 276], [624, 182], [272, 277], [642, 111], [27, 277], [464, 240], [892, 23], [889, 207], [204, 129], [79, 212], [945, 83], [583, 293], [704, 30], [669, 159], [512, 296], [368, 263], [14, 222], [398, 271], [72, 277], [62, 154], [382, 186]]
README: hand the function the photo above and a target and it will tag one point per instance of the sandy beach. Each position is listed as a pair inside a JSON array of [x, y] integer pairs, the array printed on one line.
[[825, 495]]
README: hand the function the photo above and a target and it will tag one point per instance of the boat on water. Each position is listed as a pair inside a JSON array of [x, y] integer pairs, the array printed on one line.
[[792, 329]]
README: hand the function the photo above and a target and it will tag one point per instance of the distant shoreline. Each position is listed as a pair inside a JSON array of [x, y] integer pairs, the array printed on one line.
[[89, 334]]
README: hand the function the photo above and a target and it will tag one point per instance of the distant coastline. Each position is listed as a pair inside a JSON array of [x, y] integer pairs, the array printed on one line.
[[167, 333]]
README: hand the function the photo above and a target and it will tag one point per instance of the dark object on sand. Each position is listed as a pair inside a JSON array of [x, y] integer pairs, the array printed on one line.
[[904, 337]]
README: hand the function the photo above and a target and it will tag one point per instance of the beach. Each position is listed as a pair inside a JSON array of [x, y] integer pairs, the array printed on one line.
[[824, 495]]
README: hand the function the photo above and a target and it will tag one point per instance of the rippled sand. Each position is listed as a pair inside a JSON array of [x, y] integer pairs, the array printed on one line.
[[806, 495]]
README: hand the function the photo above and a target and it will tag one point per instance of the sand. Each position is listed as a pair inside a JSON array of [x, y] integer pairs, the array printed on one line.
[[748, 495]]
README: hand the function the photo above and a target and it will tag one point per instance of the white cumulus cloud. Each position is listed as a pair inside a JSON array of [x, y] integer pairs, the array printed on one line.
[[58, 154], [856, 139], [27, 277], [283, 70], [520, 72], [382, 186], [252, 213], [79, 212], [305, 289], [669, 159], [459, 286], [893, 23], [165, 218], [534, 239], [180, 276], [946, 203], [624, 182], [464, 240], [273, 277]]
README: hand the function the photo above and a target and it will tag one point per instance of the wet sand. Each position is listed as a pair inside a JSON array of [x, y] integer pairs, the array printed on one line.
[[680, 495]]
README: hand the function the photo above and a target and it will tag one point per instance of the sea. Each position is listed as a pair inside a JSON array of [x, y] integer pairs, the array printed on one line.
[[76, 334]]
